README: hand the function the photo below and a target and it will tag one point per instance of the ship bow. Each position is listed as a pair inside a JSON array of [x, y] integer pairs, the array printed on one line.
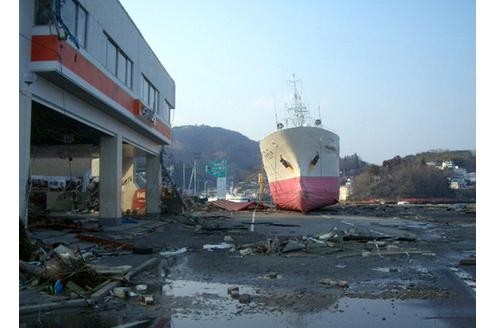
[[305, 193]]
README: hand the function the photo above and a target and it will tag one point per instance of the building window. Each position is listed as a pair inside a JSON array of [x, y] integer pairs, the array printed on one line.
[[150, 95], [118, 63], [44, 12], [166, 111], [111, 55], [81, 25], [75, 17]]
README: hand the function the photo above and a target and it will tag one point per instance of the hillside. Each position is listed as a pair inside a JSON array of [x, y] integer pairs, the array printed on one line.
[[205, 143], [461, 158], [415, 176]]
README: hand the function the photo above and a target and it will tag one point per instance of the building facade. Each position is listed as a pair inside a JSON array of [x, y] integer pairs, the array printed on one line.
[[90, 87]]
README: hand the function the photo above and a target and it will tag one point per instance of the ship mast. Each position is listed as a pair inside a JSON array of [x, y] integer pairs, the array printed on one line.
[[297, 110]]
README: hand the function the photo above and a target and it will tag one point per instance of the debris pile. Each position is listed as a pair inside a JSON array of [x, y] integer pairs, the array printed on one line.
[[346, 243], [66, 277], [62, 272]]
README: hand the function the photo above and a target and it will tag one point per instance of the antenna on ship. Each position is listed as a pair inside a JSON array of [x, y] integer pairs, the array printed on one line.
[[279, 125], [318, 121], [298, 108]]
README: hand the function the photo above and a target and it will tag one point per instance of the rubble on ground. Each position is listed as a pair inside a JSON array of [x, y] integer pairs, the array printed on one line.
[[79, 264]]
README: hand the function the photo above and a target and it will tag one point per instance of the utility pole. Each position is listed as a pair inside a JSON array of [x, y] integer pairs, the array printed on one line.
[[193, 178], [183, 177]]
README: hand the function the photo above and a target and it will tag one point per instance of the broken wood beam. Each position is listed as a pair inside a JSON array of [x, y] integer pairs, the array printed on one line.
[[383, 253], [61, 226], [104, 290], [26, 309], [469, 261], [32, 269], [110, 270], [134, 324], [149, 263], [106, 242]]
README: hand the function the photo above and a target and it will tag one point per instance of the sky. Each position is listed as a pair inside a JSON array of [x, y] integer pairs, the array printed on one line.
[[390, 77]]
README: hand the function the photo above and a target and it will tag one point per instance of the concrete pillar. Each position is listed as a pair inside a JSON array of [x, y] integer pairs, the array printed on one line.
[[25, 103], [110, 179], [26, 79], [128, 184], [153, 184]]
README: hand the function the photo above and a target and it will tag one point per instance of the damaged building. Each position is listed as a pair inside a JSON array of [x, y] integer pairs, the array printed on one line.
[[93, 97]]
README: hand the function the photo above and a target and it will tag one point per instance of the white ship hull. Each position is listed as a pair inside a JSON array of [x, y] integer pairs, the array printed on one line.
[[302, 165]]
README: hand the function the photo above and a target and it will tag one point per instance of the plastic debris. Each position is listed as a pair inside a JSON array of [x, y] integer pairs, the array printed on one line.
[[173, 253], [58, 287], [293, 246], [72, 286], [271, 275], [246, 251], [328, 282], [121, 292], [141, 288], [244, 298], [65, 254], [217, 246], [148, 299]]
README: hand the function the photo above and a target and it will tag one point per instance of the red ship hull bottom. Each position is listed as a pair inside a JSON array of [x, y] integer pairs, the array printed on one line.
[[305, 193]]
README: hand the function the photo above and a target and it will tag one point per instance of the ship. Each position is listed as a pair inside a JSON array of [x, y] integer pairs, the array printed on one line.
[[301, 161]]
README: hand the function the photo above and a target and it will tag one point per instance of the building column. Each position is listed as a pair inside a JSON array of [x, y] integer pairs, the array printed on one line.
[[110, 179], [128, 184], [25, 104], [153, 184]]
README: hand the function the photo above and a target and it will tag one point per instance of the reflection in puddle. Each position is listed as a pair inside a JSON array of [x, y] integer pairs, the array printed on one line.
[[348, 312], [203, 304], [189, 288], [211, 306]]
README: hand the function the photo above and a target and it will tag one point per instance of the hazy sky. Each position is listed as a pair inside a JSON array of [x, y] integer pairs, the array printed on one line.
[[391, 77]]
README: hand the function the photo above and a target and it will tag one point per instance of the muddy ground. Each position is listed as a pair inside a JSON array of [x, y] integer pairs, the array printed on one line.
[[383, 266]]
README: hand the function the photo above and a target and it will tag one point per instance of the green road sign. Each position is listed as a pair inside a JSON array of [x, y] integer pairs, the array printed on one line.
[[217, 168]]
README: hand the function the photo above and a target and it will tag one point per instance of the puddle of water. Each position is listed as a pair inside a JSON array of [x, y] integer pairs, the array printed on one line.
[[348, 312], [391, 269], [189, 288], [466, 277], [69, 319]]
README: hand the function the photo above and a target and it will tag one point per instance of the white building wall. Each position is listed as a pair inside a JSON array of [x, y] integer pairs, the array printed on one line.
[[25, 25], [114, 20], [103, 17], [60, 166]]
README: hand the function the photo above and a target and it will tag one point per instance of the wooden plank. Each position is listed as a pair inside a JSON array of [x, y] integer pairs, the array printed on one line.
[[106, 242], [151, 262], [26, 309]]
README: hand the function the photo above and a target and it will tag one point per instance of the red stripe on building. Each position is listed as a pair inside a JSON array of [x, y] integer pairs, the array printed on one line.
[[49, 48], [163, 129], [44, 48]]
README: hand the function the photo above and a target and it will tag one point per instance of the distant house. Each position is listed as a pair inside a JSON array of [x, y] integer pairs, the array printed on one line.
[[448, 165], [471, 177], [455, 184], [344, 193]]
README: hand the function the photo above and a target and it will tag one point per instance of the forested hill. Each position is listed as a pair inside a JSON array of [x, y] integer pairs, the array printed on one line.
[[462, 158], [205, 143]]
